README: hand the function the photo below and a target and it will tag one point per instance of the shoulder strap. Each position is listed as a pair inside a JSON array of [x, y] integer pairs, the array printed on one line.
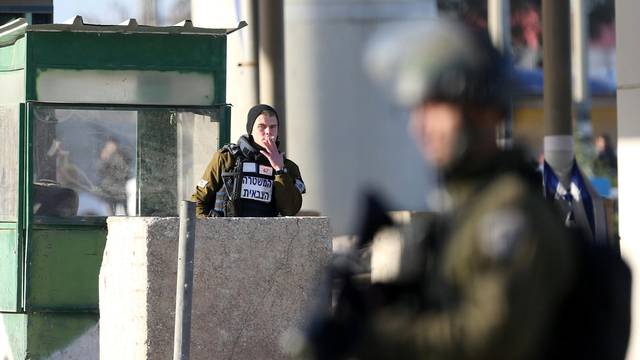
[[233, 149]]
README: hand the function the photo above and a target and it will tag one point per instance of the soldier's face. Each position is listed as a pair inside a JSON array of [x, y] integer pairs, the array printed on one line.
[[265, 128], [437, 129]]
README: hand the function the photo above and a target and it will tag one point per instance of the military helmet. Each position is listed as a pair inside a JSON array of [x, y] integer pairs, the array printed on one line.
[[439, 60]]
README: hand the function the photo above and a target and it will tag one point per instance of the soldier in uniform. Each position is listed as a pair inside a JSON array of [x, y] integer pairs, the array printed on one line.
[[497, 264], [252, 177]]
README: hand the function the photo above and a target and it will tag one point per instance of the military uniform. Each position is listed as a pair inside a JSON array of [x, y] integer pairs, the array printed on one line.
[[498, 275], [261, 192], [493, 280]]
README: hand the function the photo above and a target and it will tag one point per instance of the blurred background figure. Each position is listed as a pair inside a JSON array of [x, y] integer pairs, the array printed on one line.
[[69, 174], [606, 162], [113, 172]]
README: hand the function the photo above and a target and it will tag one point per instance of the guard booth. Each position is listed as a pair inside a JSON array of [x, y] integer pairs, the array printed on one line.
[[96, 121]]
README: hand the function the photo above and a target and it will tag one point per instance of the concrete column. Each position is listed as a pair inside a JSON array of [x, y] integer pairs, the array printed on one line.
[[342, 130], [242, 68], [271, 60], [628, 55], [581, 91]]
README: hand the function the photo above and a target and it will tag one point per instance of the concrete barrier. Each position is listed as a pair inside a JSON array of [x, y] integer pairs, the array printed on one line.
[[253, 279]]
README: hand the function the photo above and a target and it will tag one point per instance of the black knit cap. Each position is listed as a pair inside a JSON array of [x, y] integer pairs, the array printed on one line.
[[254, 112]]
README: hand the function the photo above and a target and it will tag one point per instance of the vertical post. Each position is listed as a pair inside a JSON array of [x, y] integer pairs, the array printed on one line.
[[581, 93], [271, 59], [184, 284], [250, 62], [558, 141], [498, 15]]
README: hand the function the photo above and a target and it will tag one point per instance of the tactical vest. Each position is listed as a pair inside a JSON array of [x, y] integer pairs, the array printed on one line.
[[248, 189]]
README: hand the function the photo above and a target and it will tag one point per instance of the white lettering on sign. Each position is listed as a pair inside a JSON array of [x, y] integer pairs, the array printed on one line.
[[255, 188], [249, 167], [266, 170]]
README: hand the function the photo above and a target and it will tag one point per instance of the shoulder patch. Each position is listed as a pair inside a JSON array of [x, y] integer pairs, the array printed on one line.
[[202, 183], [500, 231], [300, 186]]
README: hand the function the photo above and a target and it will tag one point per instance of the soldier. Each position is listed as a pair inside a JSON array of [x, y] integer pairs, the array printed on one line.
[[252, 177], [497, 264]]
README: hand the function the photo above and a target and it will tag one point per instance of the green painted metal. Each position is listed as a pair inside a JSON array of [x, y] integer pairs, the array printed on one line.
[[22, 216], [63, 267], [39, 335], [225, 126], [51, 332], [15, 326], [49, 268], [9, 268], [126, 51], [113, 51]]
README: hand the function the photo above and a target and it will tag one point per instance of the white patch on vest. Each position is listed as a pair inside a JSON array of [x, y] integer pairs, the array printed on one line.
[[500, 232], [202, 183], [249, 167], [266, 170], [256, 188], [300, 186]]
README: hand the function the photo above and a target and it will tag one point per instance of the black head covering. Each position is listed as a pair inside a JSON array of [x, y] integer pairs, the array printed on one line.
[[254, 112]]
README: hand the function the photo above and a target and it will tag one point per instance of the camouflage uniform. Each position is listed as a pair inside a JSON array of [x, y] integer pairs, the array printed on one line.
[[493, 280], [287, 188]]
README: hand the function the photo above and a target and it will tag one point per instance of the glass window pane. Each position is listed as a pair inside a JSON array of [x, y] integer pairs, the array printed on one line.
[[97, 162], [198, 139], [84, 160], [9, 148]]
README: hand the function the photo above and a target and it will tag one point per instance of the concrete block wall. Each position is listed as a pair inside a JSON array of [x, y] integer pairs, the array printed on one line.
[[253, 279]]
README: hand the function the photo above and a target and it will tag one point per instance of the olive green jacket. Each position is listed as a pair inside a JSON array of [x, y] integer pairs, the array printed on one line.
[[288, 197], [510, 264]]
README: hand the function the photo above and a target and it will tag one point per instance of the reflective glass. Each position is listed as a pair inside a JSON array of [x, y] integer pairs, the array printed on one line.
[[103, 162]]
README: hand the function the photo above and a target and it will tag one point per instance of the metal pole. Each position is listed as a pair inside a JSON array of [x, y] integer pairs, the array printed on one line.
[[500, 30], [271, 59], [184, 284], [581, 93], [558, 143]]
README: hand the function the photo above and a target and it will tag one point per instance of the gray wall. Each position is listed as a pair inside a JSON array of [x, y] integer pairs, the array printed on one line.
[[343, 132], [628, 57], [254, 279]]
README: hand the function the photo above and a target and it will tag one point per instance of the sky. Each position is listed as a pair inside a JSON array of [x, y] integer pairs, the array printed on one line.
[[100, 11]]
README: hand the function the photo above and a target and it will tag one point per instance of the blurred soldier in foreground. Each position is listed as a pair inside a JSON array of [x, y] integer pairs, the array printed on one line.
[[497, 270]]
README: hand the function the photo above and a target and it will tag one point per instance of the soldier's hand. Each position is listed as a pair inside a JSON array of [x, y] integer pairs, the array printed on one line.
[[272, 153]]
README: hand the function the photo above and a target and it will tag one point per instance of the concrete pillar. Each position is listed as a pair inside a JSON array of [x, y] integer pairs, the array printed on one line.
[[271, 60], [628, 55], [242, 68], [344, 132]]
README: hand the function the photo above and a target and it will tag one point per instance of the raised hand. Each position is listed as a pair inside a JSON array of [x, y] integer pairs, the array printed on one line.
[[275, 157]]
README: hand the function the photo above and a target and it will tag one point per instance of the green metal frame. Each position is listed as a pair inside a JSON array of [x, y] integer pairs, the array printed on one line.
[[82, 238], [53, 50], [54, 297]]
